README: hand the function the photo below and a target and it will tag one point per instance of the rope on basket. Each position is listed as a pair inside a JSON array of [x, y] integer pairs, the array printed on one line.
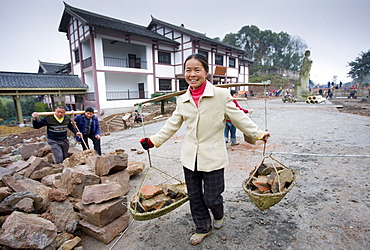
[[162, 211], [266, 200], [264, 145], [149, 156]]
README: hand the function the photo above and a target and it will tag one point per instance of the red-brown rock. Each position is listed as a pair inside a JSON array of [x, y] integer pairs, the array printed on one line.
[[101, 192], [109, 232], [56, 194]]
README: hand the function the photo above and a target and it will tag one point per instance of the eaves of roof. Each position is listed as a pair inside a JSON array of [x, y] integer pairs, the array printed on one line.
[[34, 81], [50, 67], [100, 21], [197, 36]]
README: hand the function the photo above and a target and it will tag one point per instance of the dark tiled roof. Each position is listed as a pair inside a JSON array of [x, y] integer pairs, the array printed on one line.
[[13, 80], [64, 69], [196, 35], [96, 20], [47, 67]]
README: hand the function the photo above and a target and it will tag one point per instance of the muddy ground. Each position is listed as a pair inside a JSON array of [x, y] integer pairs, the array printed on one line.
[[329, 208]]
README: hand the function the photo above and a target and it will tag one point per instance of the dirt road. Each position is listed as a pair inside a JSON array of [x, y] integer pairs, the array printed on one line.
[[329, 208]]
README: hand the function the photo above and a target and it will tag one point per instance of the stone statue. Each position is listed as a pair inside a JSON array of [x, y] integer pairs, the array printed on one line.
[[301, 90]]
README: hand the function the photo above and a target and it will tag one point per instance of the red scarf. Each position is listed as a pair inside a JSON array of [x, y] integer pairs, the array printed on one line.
[[197, 93]]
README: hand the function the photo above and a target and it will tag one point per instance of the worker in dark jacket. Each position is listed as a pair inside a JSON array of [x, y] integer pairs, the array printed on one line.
[[88, 125], [57, 125]]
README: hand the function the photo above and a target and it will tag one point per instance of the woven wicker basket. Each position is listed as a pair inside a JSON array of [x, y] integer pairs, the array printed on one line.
[[159, 212], [264, 201]]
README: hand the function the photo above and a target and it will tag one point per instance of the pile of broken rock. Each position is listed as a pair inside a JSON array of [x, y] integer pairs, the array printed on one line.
[[150, 198], [48, 206], [268, 179]]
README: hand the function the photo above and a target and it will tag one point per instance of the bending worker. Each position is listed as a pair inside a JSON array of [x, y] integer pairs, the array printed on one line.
[[57, 125]]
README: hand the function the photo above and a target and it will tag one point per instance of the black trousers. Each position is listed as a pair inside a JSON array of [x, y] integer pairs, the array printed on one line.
[[59, 149], [204, 191], [95, 141]]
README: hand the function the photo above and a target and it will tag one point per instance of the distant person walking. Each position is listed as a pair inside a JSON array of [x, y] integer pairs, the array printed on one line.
[[229, 127], [57, 125], [88, 124], [137, 117]]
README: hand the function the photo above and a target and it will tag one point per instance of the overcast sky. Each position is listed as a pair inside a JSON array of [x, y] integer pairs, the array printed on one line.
[[336, 31]]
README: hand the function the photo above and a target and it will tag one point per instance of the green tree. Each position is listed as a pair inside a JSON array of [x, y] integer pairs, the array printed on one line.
[[3, 111], [40, 107], [28, 103], [11, 109], [267, 48], [231, 39], [360, 67], [248, 40]]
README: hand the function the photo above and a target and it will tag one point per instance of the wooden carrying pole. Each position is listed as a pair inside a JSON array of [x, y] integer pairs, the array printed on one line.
[[67, 113], [82, 138], [73, 122], [159, 98]]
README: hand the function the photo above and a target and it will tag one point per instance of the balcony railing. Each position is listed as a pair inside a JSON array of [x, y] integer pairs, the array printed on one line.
[[86, 63], [126, 95], [90, 96], [118, 62], [120, 95], [125, 63]]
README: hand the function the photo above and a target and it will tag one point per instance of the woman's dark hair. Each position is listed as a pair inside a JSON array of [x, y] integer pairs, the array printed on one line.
[[89, 109], [232, 92], [202, 59]]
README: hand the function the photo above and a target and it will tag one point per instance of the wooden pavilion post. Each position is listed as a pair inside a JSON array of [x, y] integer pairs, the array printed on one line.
[[18, 108]]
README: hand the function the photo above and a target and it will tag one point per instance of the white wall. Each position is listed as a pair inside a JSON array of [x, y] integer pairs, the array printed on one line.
[[123, 82], [165, 71], [89, 80]]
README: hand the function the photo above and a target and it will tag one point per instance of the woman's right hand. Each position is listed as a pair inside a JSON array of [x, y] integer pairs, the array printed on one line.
[[146, 143]]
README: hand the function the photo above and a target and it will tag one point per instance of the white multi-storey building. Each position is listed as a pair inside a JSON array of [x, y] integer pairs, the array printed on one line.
[[124, 63]]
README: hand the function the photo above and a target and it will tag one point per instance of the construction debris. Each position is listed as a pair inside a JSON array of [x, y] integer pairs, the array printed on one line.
[[151, 197], [268, 183], [270, 179], [84, 194]]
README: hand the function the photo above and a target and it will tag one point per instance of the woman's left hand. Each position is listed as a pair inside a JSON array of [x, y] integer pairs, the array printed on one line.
[[266, 136]]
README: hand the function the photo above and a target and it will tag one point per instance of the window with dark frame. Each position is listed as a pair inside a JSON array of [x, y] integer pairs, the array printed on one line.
[[77, 56], [164, 57], [231, 62], [219, 59], [165, 85], [204, 53], [183, 85]]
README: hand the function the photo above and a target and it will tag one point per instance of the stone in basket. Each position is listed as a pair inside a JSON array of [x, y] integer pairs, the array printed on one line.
[[153, 201], [268, 183]]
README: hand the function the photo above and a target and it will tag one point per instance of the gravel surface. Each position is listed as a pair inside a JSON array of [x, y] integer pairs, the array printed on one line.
[[327, 209]]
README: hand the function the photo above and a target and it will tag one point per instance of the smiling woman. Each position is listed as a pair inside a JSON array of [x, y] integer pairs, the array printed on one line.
[[196, 70], [204, 109]]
